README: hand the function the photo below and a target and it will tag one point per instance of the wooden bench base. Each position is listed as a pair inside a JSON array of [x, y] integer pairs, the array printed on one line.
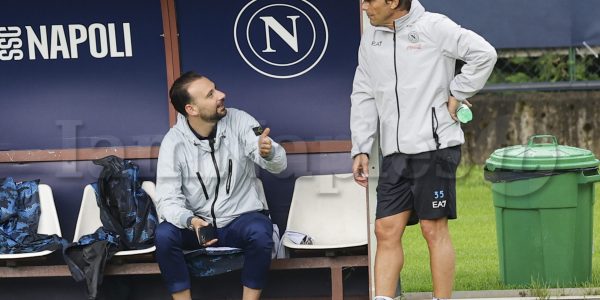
[[335, 264]]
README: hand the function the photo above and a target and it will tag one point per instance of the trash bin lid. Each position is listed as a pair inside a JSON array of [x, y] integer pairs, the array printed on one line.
[[541, 156]]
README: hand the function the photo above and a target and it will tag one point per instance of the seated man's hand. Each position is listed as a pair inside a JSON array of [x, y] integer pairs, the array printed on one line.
[[198, 223], [264, 143]]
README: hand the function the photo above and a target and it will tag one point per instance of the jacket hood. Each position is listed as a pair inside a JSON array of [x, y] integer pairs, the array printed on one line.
[[183, 127], [416, 11]]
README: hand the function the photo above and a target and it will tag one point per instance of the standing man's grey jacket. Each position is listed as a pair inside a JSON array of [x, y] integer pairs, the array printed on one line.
[[212, 179], [405, 76]]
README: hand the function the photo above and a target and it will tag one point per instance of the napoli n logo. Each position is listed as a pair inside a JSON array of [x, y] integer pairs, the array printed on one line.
[[413, 37], [281, 38]]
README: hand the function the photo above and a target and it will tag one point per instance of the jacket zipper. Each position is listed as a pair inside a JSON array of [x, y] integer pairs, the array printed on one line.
[[229, 174], [203, 186], [212, 208], [396, 90], [434, 127]]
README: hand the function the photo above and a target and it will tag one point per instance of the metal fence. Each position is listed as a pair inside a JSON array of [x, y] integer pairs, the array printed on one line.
[[546, 69]]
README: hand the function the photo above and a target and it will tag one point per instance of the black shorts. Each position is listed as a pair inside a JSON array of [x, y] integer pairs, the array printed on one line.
[[424, 183]]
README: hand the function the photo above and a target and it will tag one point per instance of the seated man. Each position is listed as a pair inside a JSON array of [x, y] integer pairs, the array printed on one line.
[[205, 179]]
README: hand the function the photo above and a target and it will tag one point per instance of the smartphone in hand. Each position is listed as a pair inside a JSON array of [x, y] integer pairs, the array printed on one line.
[[206, 234]]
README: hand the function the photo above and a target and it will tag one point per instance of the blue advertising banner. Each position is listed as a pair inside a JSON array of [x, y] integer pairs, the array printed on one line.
[[526, 24], [289, 63], [586, 24], [77, 74]]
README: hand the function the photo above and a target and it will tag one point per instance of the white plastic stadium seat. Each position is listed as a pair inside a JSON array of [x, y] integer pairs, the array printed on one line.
[[150, 189], [89, 216], [331, 209], [48, 223]]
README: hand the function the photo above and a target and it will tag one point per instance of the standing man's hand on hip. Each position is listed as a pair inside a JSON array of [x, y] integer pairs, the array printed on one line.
[[360, 169], [264, 143], [453, 105]]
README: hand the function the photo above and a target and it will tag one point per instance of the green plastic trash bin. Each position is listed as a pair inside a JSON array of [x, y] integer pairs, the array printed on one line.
[[543, 196]]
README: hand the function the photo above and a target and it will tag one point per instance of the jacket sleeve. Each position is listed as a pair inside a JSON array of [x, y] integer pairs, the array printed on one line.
[[169, 176], [479, 57], [247, 126], [363, 112]]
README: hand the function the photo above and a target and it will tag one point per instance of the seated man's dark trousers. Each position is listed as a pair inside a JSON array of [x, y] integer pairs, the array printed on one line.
[[252, 232]]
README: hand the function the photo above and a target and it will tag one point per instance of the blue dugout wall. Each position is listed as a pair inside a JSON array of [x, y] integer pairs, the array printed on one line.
[[92, 74], [526, 24], [78, 74]]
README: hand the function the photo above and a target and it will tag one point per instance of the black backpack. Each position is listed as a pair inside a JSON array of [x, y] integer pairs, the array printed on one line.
[[125, 208]]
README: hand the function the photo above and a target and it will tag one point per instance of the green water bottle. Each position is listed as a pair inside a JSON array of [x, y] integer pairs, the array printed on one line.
[[464, 113]]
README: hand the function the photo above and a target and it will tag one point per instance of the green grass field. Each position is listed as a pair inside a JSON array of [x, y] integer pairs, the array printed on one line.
[[474, 239]]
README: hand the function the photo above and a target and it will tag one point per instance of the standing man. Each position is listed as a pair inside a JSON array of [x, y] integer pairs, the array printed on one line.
[[406, 80], [206, 177]]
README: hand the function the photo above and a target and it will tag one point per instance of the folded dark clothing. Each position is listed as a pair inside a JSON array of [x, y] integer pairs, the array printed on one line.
[[20, 212], [214, 260]]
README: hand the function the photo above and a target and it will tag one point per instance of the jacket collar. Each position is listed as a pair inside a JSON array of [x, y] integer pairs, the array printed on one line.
[[416, 11], [183, 127]]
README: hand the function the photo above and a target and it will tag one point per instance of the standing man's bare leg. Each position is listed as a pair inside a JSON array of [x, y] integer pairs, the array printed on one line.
[[441, 256], [390, 256]]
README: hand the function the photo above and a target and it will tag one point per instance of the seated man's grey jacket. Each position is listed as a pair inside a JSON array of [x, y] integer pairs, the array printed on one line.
[[213, 179]]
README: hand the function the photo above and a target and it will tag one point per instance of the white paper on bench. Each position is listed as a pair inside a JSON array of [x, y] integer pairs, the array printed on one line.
[[299, 238], [220, 249]]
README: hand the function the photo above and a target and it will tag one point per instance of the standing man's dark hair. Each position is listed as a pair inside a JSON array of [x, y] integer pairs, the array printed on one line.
[[179, 94], [403, 4]]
